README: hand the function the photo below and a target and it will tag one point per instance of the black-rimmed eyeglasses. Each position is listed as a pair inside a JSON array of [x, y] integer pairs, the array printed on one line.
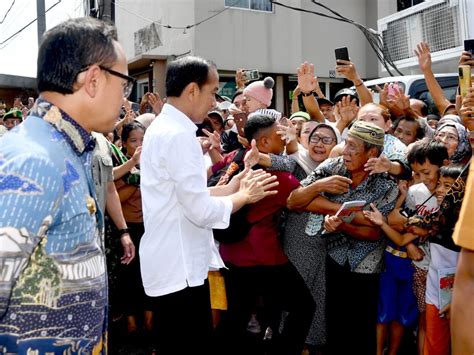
[[127, 86], [326, 140]]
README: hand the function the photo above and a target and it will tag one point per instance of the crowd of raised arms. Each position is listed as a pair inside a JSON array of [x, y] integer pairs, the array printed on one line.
[[332, 225]]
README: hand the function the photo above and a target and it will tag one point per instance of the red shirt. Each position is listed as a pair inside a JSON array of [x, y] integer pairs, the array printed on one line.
[[224, 162], [261, 246]]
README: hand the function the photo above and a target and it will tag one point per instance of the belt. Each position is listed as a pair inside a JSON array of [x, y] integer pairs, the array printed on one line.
[[396, 252]]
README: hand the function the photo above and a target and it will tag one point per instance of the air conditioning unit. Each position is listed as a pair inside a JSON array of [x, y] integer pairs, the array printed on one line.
[[442, 24]]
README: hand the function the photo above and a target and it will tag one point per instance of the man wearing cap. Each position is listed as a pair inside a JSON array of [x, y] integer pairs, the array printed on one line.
[[327, 108], [355, 248], [298, 118], [12, 118]]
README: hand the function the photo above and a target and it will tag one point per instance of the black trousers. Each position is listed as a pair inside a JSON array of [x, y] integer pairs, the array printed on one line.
[[282, 288], [183, 321], [131, 292], [351, 310]]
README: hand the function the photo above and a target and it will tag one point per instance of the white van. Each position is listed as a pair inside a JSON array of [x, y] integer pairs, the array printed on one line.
[[415, 87]]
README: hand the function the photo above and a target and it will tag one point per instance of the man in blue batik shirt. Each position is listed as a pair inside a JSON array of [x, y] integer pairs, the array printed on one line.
[[53, 290]]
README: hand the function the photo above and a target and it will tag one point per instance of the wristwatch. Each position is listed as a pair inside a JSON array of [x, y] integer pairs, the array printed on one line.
[[123, 231], [306, 93]]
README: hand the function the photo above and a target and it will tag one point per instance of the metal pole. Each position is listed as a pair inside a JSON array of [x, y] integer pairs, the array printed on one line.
[[41, 15], [109, 10]]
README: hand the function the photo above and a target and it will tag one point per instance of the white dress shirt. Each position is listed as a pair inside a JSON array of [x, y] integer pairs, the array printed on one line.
[[177, 248]]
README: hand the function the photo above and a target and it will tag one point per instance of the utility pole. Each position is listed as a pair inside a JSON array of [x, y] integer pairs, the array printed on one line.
[[109, 11], [41, 21]]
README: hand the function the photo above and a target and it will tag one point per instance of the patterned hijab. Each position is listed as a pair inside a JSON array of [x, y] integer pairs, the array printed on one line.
[[463, 151]]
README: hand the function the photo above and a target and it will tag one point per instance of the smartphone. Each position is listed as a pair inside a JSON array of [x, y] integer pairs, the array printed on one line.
[[240, 119], [469, 45], [135, 107], [464, 79], [393, 89], [341, 53], [250, 75]]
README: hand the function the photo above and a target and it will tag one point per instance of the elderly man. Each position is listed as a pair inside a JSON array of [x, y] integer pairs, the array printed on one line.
[[355, 248], [53, 284]]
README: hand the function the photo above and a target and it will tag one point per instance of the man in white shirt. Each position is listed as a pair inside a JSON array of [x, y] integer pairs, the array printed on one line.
[[179, 211]]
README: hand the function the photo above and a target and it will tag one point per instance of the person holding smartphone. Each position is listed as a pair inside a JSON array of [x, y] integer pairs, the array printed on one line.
[[346, 68]]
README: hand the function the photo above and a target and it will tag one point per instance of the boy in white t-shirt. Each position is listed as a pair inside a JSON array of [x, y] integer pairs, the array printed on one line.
[[425, 158]]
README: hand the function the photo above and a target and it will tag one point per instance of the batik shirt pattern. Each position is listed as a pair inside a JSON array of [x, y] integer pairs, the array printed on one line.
[[53, 290]]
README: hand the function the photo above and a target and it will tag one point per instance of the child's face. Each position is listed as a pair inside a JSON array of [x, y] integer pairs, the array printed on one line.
[[135, 140], [406, 131], [427, 173], [444, 184]]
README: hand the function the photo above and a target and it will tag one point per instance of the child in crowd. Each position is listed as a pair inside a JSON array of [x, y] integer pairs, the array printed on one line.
[[444, 257], [425, 158]]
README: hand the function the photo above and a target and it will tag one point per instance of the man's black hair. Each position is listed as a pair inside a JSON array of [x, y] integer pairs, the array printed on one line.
[[184, 71], [256, 123], [71, 47], [427, 149], [452, 170]]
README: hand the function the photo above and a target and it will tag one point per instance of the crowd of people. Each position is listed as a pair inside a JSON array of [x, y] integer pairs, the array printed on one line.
[[206, 224]]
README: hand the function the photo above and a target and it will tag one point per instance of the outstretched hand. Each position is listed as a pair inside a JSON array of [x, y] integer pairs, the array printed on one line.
[[377, 165], [422, 51], [214, 139], [287, 130], [156, 103], [306, 78], [375, 216], [347, 110], [257, 184], [252, 157]]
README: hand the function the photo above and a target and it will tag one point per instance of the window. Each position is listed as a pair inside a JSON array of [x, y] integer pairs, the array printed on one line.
[[142, 88], [405, 4], [259, 5]]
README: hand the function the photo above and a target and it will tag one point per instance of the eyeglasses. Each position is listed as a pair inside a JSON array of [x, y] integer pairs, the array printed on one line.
[[449, 137], [326, 140], [127, 86]]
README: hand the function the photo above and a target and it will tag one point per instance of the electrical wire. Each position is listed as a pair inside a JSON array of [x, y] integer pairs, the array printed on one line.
[[375, 39], [16, 12], [24, 27], [4, 17], [179, 27]]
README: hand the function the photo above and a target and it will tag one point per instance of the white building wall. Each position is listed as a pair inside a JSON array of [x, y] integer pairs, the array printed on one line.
[[271, 42], [133, 15]]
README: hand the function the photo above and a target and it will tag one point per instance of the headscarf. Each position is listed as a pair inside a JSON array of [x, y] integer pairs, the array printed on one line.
[[463, 151]]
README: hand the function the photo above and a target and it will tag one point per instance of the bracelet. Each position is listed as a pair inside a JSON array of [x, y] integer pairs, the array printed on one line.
[[305, 94], [124, 231], [361, 83]]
